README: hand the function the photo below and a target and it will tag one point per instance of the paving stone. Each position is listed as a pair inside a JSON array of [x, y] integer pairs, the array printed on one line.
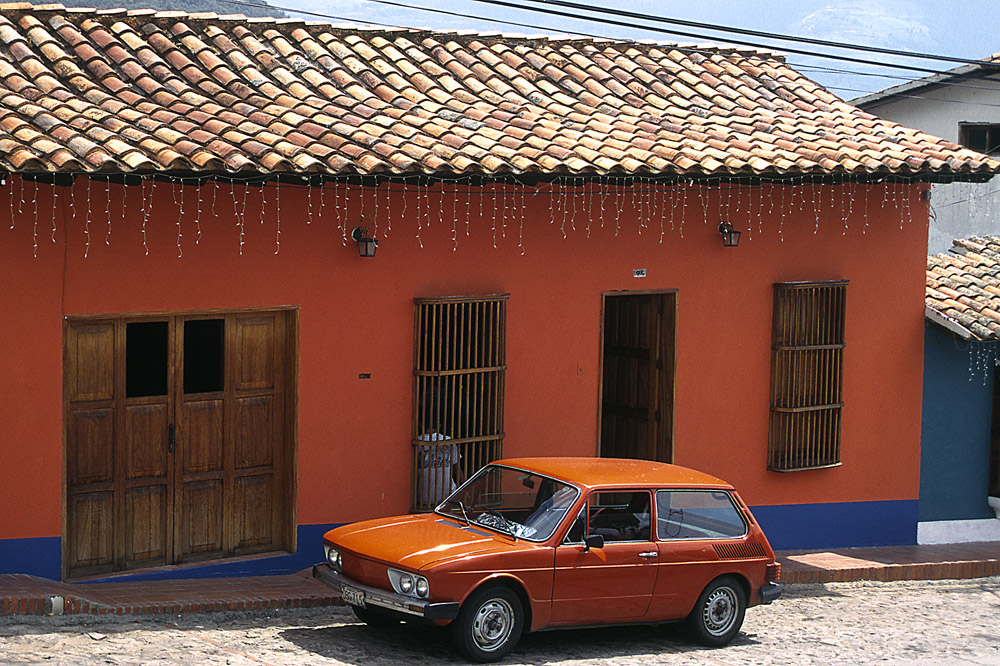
[[905, 623]]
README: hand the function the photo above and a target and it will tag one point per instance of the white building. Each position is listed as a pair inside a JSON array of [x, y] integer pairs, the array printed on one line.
[[963, 106]]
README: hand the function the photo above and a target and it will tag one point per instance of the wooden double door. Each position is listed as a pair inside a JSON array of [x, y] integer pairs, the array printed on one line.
[[179, 439]]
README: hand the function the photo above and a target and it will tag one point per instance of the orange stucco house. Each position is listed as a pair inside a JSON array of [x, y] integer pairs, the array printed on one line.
[[201, 372]]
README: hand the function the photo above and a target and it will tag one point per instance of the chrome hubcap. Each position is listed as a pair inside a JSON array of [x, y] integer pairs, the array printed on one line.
[[720, 611], [492, 625]]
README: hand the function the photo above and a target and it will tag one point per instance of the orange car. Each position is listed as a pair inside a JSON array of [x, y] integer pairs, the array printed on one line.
[[544, 543]]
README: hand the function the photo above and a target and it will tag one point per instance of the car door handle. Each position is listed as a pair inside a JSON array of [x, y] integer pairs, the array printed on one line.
[[647, 554]]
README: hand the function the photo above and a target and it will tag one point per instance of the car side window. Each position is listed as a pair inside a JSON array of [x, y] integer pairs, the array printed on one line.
[[619, 516], [697, 514]]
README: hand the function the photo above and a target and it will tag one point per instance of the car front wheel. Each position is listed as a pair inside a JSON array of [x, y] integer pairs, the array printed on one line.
[[489, 624], [718, 615]]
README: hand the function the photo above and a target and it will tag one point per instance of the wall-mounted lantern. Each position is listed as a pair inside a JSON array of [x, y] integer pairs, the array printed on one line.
[[366, 244], [730, 237]]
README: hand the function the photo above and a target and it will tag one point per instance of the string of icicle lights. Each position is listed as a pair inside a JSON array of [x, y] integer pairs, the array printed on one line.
[[637, 204]]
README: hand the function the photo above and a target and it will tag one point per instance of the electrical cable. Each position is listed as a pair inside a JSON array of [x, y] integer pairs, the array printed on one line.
[[685, 48], [752, 33]]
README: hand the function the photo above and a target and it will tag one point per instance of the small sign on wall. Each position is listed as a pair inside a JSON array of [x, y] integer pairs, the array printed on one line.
[[639, 272]]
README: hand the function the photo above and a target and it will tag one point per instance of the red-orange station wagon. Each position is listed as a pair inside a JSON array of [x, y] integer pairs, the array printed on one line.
[[543, 543]]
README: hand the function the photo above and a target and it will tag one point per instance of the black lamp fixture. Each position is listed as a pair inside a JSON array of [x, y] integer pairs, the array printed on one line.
[[366, 244], [730, 237]]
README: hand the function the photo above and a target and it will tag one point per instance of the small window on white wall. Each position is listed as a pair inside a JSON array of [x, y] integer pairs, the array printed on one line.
[[981, 137]]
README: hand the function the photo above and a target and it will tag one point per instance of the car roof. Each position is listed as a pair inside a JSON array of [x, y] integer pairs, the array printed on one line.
[[594, 472]]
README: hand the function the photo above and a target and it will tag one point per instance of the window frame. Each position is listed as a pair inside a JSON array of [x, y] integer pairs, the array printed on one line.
[[732, 502], [991, 137]]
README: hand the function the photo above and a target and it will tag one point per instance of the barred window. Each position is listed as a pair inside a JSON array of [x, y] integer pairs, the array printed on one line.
[[806, 375], [458, 392]]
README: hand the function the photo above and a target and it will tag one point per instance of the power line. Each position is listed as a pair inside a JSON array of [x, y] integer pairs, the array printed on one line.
[[751, 33], [553, 12], [561, 30]]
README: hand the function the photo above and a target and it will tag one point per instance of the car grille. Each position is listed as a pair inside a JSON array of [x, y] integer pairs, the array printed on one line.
[[364, 570]]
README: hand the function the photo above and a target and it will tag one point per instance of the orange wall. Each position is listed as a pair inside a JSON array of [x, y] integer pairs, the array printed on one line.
[[357, 317]]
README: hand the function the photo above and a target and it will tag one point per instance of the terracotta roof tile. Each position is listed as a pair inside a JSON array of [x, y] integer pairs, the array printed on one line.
[[963, 285], [141, 90]]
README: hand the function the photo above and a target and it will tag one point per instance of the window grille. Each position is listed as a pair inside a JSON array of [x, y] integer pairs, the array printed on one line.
[[807, 375], [458, 392]]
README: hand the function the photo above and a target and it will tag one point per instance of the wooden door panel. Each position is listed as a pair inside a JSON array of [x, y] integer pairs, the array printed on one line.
[[89, 522], [254, 432], [146, 520], [90, 361], [146, 441], [637, 380], [253, 511], [201, 435], [256, 337], [90, 442], [201, 517], [131, 499]]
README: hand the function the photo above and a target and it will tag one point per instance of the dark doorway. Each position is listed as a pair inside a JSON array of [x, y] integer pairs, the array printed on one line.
[[637, 379]]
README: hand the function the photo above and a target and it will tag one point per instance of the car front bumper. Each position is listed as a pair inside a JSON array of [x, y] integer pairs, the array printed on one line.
[[373, 596], [770, 592]]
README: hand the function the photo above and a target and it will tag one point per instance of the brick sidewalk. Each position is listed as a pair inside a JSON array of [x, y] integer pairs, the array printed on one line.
[[959, 560], [27, 595]]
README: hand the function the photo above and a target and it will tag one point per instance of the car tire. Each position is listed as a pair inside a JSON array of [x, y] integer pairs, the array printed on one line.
[[375, 618], [489, 624], [718, 614]]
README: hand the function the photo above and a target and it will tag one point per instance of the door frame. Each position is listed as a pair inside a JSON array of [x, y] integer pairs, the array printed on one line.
[[287, 537], [671, 372]]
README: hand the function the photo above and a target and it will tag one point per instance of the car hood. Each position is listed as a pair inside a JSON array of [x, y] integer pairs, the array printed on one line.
[[416, 542]]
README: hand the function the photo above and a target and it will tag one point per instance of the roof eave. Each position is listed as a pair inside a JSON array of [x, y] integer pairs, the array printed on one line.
[[948, 323], [886, 95]]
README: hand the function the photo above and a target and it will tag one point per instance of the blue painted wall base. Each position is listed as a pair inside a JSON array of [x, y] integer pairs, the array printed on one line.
[[788, 527], [42, 557], [839, 524]]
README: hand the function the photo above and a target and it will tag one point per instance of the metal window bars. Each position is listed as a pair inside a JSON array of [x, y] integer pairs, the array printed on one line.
[[458, 392]]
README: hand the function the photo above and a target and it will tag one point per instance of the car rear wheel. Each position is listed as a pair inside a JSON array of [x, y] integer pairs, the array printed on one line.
[[489, 624], [718, 615], [374, 618]]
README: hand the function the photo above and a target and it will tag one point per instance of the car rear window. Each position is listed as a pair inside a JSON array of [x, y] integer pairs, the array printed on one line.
[[697, 514]]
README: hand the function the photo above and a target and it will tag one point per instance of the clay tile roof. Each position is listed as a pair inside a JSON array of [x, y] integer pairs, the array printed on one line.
[[145, 91], [963, 287]]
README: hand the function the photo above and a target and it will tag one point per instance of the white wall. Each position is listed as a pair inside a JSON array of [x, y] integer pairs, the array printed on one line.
[[960, 209]]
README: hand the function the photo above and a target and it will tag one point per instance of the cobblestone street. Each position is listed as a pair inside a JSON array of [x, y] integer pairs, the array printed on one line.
[[939, 623]]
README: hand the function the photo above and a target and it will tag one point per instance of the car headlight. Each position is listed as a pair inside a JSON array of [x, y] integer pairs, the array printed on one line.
[[333, 558], [412, 585]]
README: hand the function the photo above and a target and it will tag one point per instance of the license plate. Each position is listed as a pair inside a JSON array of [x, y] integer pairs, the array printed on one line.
[[352, 595]]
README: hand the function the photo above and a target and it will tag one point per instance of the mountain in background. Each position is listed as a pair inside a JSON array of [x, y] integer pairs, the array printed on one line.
[[190, 6]]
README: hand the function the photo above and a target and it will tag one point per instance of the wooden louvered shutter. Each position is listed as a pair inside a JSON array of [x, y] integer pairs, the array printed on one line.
[[807, 375]]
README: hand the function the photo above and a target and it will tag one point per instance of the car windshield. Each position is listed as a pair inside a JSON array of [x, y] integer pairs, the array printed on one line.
[[522, 504]]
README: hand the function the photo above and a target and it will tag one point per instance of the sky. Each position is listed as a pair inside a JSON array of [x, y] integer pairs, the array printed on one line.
[[958, 28]]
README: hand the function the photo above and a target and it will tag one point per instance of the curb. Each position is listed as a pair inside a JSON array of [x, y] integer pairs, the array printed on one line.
[[51, 605], [893, 572]]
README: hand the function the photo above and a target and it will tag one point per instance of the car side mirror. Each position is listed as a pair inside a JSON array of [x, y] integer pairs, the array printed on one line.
[[593, 541]]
